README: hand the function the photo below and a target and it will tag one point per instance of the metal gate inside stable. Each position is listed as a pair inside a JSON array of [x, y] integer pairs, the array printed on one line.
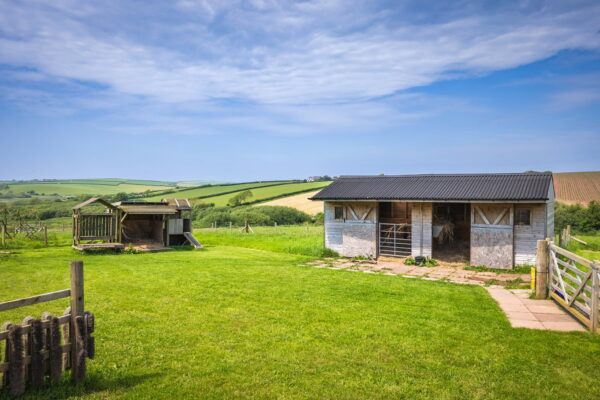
[[395, 239]]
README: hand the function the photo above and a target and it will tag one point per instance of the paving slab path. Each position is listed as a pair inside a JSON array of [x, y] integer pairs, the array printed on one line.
[[453, 274], [523, 312]]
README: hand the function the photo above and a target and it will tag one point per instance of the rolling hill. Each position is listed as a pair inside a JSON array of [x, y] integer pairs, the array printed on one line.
[[298, 201], [269, 192], [48, 189], [577, 187]]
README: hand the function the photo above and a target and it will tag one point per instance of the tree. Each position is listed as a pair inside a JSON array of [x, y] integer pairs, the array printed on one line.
[[239, 198]]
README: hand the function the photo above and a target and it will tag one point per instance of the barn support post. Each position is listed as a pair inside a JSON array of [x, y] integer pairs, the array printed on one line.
[[77, 334], [541, 269]]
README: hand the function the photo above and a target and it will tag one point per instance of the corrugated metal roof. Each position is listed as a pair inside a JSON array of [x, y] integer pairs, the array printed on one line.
[[147, 208], [459, 187]]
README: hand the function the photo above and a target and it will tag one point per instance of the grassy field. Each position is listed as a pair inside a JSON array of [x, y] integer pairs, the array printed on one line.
[[254, 322], [591, 251], [74, 187], [268, 192], [193, 193], [300, 202]]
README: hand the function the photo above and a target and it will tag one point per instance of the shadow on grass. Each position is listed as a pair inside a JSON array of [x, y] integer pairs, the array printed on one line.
[[93, 384]]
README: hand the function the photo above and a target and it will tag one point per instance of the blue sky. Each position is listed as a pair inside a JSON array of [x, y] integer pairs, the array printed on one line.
[[249, 90]]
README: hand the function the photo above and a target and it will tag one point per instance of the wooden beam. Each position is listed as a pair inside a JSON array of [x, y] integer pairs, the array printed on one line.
[[40, 298], [500, 216], [482, 215]]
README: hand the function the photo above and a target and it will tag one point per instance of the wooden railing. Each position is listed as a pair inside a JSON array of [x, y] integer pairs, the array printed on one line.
[[40, 349], [573, 282], [97, 226]]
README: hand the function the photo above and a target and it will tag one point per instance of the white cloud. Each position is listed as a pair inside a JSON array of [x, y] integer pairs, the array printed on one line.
[[281, 54]]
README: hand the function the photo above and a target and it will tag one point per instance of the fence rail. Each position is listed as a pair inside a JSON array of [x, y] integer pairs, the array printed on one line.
[[574, 282], [39, 350], [395, 239]]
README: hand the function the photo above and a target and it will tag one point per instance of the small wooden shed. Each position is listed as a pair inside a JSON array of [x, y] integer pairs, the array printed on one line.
[[146, 226], [491, 220]]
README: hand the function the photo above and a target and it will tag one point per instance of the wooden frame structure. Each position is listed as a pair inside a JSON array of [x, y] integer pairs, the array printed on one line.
[[96, 226], [149, 226]]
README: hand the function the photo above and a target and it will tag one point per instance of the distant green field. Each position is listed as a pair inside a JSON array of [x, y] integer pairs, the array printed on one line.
[[74, 187], [268, 192], [194, 193]]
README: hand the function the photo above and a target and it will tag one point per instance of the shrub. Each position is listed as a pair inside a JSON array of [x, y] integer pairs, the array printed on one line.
[[581, 219], [284, 215], [239, 198], [427, 262], [239, 217], [319, 219], [218, 217]]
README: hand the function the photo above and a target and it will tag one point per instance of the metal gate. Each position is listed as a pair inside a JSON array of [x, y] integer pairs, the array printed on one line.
[[395, 239]]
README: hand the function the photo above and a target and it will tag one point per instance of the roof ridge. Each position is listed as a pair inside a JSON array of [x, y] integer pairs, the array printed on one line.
[[486, 174]]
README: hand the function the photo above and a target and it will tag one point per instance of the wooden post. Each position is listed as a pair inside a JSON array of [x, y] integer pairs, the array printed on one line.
[[76, 334], [541, 269], [16, 366], [46, 235], [595, 303], [3, 236]]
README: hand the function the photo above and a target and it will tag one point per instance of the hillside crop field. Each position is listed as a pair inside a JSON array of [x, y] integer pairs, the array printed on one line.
[[258, 322], [577, 187], [268, 192], [194, 193], [300, 202]]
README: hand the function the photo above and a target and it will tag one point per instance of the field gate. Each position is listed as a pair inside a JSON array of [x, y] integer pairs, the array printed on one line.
[[572, 281]]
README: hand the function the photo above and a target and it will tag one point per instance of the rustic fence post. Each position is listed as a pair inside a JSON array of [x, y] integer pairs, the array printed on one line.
[[16, 367], [76, 333], [46, 235], [595, 304], [541, 269], [3, 236]]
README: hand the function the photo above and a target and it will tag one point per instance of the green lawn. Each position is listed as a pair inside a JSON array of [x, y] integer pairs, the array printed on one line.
[[591, 251], [247, 322]]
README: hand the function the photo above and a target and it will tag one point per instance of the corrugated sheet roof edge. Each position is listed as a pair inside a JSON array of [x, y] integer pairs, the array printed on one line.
[[374, 187]]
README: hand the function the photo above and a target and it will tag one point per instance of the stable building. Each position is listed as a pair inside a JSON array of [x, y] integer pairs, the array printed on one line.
[[145, 226], [492, 220]]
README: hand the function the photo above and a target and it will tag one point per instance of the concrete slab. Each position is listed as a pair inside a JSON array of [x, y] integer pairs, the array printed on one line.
[[523, 312]]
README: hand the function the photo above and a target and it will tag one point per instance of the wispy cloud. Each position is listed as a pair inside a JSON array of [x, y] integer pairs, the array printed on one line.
[[279, 53]]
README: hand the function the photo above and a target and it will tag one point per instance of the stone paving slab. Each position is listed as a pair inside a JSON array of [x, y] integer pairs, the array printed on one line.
[[523, 312]]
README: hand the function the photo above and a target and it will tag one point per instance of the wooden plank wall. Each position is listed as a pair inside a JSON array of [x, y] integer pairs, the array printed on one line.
[[355, 234], [526, 237], [492, 235], [421, 221]]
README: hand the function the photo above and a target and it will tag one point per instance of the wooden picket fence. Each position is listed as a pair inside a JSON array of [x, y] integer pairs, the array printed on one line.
[[37, 351]]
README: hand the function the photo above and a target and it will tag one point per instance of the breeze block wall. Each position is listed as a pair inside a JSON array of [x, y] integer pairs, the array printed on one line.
[[356, 233]]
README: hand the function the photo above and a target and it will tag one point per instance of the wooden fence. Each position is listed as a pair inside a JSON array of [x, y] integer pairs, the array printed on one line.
[[572, 281], [39, 350]]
